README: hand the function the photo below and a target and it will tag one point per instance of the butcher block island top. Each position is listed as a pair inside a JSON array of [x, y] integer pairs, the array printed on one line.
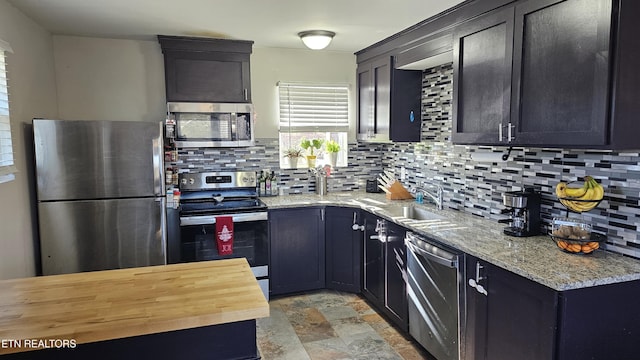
[[114, 304]]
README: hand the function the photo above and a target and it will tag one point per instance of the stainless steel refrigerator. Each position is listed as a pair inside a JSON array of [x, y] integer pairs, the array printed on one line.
[[100, 194]]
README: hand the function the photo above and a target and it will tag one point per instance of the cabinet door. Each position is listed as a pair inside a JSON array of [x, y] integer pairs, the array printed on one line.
[[374, 100], [343, 249], [389, 102], [518, 320], [207, 77], [297, 250], [396, 275], [381, 71], [373, 285], [406, 105], [475, 329], [561, 72], [365, 102], [482, 53]]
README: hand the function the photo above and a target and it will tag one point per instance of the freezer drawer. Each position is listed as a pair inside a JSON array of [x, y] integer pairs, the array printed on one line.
[[92, 235]]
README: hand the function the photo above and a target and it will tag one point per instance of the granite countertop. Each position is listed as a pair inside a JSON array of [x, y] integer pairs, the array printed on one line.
[[536, 258]]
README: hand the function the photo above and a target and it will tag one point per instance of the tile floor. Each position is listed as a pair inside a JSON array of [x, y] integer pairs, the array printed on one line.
[[330, 325]]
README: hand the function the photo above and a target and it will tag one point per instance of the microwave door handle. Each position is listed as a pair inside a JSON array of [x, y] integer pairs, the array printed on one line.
[[234, 126]]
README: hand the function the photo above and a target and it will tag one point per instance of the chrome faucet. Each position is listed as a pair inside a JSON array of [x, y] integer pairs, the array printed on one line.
[[436, 196]]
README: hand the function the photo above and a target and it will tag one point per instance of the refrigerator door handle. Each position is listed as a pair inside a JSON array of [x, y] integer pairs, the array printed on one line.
[[158, 156]]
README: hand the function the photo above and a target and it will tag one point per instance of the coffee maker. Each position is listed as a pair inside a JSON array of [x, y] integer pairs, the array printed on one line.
[[523, 208]]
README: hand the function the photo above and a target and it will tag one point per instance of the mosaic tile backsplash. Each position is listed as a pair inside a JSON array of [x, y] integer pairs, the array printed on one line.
[[469, 186]]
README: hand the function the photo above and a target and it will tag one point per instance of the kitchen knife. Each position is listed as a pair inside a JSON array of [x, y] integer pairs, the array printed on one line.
[[387, 181], [390, 175], [384, 189]]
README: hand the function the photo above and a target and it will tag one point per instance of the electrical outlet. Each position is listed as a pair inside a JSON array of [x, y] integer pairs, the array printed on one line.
[[403, 173]]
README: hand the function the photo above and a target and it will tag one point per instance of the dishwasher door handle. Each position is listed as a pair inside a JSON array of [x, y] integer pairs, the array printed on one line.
[[449, 262]]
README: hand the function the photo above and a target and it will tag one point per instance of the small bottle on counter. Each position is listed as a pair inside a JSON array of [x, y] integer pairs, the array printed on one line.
[[267, 184], [168, 176], [263, 183], [175, 177], [274, 184], [176, 198], [170, 198]]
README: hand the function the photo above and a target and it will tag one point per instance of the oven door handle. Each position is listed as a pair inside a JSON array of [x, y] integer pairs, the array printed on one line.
[[211, 219]]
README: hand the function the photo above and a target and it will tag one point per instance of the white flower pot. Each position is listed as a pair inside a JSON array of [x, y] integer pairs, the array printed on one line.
[[333, 159], [291, 162]]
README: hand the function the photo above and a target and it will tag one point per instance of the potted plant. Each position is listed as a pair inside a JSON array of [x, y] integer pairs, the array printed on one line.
[[291, 156], [309, 145], [332, 148]]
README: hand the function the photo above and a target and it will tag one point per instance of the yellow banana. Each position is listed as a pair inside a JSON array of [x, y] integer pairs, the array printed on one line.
[[576, 192], [560, 189], [597, 189], [560, 193], [589, 195], [580, 199]]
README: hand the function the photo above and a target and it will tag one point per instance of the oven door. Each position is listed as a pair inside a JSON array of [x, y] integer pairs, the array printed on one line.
[[250, 238]]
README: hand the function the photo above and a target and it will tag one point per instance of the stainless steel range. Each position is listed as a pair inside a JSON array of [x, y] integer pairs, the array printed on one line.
[[209, 198]]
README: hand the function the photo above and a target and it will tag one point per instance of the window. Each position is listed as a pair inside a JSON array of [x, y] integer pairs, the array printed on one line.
[[314, 111], [7, 168]]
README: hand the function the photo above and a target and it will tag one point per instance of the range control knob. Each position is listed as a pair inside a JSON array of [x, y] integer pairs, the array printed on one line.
[[183, 181], [192, 181]]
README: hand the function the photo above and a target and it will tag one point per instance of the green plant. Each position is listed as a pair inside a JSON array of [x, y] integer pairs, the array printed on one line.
[[293, 153], [311, 144], [332, 146]]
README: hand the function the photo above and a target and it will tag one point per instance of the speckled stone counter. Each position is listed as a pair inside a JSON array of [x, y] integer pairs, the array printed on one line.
[[536, 258]]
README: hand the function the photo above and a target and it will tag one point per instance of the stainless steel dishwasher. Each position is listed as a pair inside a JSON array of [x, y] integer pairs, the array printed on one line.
[[434, 285]]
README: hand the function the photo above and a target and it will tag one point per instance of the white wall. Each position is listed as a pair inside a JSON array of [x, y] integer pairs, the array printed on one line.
[[31, 94], [270, 65], [109, 79], [124, 79]]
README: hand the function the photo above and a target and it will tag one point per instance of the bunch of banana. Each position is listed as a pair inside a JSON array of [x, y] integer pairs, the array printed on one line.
[[588, 195]]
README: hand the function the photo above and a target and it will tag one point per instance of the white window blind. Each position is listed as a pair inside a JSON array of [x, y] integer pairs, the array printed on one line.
[[313, 107], [7, 167]]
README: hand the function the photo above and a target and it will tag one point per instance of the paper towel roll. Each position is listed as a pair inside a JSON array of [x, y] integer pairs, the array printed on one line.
[[487, 156]]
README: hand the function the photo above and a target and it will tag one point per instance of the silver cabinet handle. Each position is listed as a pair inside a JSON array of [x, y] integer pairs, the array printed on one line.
[[475, 283], [246, 94], [499, 132], [509, 137], [355, 226]]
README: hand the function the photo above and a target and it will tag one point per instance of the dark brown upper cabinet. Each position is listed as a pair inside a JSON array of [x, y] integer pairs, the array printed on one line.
[[482, 52], [389, 102], [561, 72], [206, 69], [548, 73]]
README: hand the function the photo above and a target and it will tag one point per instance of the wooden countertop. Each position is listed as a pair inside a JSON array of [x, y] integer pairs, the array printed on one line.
[[113, 304]]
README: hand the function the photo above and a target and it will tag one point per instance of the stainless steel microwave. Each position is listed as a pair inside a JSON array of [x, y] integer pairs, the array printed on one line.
[[211, 124]]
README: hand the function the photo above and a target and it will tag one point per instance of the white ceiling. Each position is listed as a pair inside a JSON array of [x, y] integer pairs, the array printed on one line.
[[269, 23]]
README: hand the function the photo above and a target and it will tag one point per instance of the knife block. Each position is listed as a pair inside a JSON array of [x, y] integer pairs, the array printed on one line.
[[398, 192]]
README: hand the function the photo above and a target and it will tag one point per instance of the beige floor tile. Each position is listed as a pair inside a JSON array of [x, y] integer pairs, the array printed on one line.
[[330, 325]]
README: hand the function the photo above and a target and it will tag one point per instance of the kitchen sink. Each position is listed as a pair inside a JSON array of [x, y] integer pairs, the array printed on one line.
[[418, 213]]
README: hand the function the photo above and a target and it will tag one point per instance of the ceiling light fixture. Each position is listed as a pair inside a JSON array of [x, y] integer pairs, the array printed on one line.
[[316, 39]]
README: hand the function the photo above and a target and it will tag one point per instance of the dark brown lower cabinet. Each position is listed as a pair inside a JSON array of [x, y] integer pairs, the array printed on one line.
[[385, 268], [511, 317], [297, 252], [343, 249]]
